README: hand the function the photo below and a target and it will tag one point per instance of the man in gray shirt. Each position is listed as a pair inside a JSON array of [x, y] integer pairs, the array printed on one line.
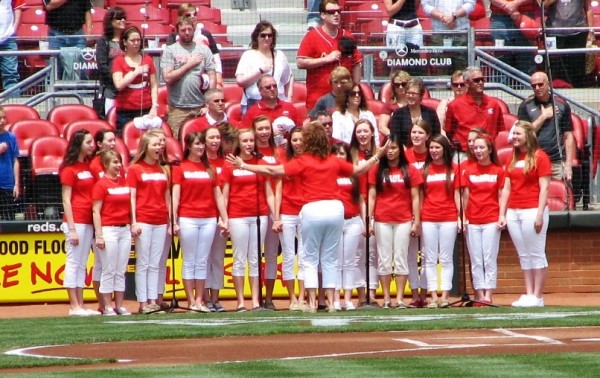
[[189, 70]]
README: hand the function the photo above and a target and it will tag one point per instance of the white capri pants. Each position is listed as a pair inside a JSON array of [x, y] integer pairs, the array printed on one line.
[[216, 262], [162, 266], [360, 274], [483, 241], [149, 248], [438, 244], [115, 256], [97, 269], [322, 226], [244, 243], [416, 280], [271, 247], [397, 35], [195, 237], [77, 255], [392, 247], [351, 237], [530, 246], [291, 231]]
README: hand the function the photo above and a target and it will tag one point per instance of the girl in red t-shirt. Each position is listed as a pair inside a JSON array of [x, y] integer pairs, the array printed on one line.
[[439, 217], [149, 183], [524, 210], [77, 183], [247, 196], [112, 217], [197, 202], [265, 145], [483, 180], [394, 200], [134, 75], [288, 203], [416, 154]]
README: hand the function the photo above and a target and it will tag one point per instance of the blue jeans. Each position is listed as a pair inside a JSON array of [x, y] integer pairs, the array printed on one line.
[[9, 66], [504, 28], [58, 40]]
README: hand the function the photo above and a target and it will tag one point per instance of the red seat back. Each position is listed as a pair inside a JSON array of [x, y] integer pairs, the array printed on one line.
[[47, 154], [17, 112], [28, 130], [93, 126], [62, 115]]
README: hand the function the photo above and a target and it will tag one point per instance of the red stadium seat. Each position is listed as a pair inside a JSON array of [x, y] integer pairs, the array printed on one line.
[[361, 13], [430, 102], [299, 94], [367, 91], [234, 112], [17, 112], [559, 197], [93, 126], [505, 155], [163, 96], [378, 107], [174, 150], [509, 121], [301, 109], [28, 130], [62, 115], [503, 106], [501, 140], [233, 93], [186, 128], [121, 148], [132, 135], [136, 13], [385, 93], [111, 117], [34, 15], [46, 155]]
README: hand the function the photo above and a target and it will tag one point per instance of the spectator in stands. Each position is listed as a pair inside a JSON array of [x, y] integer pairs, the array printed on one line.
[[107, 48], [270, 105], [189, 70], [351, 107], [134, 75], [263, 59], [404, 118], [9, 23], [450, 16], [341, 81], [215, 114], [524, 210], [201, 37], [458, 87], [320, 52], [10, 179], [325, 118], [504, 15], [473, 109], [537, 109], [403, 27], [569, 15], [398, 81]]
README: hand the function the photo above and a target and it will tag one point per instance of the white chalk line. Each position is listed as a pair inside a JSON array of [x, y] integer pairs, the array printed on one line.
[[26, 352], [542, 339]]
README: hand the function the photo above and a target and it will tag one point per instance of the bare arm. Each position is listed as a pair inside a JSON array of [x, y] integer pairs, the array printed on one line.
[[220, 201], [383, 124], [504, 196], [123, 81], [542, 202], [17, 176], [54, 4], [392, 8], [89, 26], [96, 209], [415, 196], [308, 63], [67, 191], [289, 89], [17, 21], [569, 142], [357, 72], [135, 229], [154, 94], [176, 201]]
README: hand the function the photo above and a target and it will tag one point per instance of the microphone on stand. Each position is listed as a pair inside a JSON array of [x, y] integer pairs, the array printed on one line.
[[170, 163]]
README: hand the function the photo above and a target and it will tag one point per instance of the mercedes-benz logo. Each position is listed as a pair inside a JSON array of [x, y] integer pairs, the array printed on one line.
[[88, 54], [402, 50]]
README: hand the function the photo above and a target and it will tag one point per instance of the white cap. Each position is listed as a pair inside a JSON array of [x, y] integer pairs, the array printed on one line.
[[283, 125], [147, 122]]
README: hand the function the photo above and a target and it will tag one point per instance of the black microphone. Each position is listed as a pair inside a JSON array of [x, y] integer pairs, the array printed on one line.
[[457, 146], [170, 163], [257, 155], [368, 154]]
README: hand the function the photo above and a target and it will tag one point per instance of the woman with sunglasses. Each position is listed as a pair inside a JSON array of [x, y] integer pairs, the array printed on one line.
[[261, 59], [396, 100], [351, 107], [404, 118], [458, 87], [134, 75], [108, 48]]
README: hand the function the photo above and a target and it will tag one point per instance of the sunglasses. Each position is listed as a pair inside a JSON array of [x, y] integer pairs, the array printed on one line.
[[266, 35], [120, 18], [355, 94], [458, 85], [191, 14], [269, 87], [327, 124], [478, 80], [399, 85], [332, 12], [218, 100], [537, 85]]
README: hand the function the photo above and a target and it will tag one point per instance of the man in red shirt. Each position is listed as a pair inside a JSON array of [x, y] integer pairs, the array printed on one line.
[[473, 109], [215, 105], [320, 52], [270, 105]]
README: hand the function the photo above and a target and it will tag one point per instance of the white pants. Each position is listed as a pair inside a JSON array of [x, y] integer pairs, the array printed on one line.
[[216, 262], [322, 226], [392, 247], [438, 244], [360, 274], [483, 241], [115, 256], [351, 237], [530, 246], [245, 245], [149, 248], [291, 231], [416, 280], [271, 247], [97, 269], [77, 255], [397, 35], [196, 237], [162, 266]]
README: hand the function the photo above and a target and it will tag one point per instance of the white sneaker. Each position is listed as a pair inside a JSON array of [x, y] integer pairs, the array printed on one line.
[[350, 306], [109, 312], [337, 306], [78, 312], [201, 308], [521, 301], [540, 302], [123, 311], [93, 312]]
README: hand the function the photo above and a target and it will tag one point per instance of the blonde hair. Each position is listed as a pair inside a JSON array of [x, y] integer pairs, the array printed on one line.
[[532, 146]]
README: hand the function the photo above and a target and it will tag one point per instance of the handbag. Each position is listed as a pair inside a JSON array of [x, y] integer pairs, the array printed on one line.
[[99, 104]]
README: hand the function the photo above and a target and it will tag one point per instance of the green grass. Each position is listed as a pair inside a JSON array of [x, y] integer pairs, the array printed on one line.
[[18, 333]]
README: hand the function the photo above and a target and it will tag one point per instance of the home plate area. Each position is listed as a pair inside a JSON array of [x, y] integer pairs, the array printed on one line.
[[336, 345]]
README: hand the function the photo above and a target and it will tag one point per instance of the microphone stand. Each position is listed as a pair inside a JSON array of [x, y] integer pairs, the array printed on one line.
[[465, 300], [261, 305], [368, 305]]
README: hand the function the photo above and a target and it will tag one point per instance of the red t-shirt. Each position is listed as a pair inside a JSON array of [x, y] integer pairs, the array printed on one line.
[[138, 97], [196, 198], [438, 204], [394, 203], [291, 193], [282, 109], [217, 165], [79, 177], [484, 183], [351, 207], [116, 200], [416, 159], [316, 44], [150, 182], [525, 188], [464, 114], [243, 191], [318, 176]]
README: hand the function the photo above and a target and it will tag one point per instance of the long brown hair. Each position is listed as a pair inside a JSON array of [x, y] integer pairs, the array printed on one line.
[[445, 143]]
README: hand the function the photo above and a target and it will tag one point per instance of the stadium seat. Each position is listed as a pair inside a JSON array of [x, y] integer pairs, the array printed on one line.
[[505, 154], [299, 94], [509, 121], [363, 12], [121, 148], [28, 130], [123, 3], [233, 93], [93, 126], [367, 91], [132, 135], [62, 115], [111, 117], [219, 32], [234, 112], [559, 197], [503, 106], [377, 108], [385, 93], [430, 102], [301, 109], [163, 96], [34, 15], [186, 128], [46, 155], [174, 150], [501, 140], [18, 112], [137, 13]]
